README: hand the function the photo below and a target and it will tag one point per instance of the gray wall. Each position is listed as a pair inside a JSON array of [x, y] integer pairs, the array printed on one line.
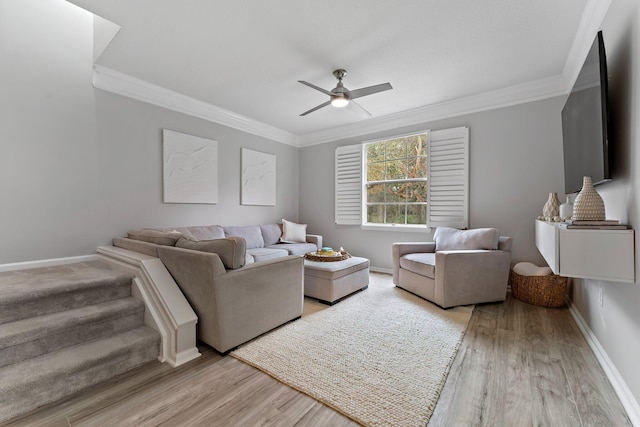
[[616, 324], [515, 161], [79, 166]]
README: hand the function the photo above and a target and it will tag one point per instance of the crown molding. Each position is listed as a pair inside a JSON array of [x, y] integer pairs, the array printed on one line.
[[513, 95], [123, 84], [590, 23]]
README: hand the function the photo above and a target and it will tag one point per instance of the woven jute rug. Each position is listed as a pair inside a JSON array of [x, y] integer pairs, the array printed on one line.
[[380, 357]]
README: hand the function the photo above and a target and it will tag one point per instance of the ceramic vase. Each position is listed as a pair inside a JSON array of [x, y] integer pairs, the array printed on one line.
[[551, 209], [566, 210], [588, 205]]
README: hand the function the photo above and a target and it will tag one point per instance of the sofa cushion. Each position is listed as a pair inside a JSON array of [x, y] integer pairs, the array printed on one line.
[[478, 238], [263, 254], [166, 238], [231, 250], [202, 232], [423, 264], [295, 248], [293, 233], [271, 233], [251, 234]]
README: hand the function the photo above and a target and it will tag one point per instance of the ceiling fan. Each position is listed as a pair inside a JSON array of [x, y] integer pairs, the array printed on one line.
[[340, 96]]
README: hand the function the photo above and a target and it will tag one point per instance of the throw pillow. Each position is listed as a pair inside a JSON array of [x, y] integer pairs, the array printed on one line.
[[251, 234], [271, 234], [165, 238], [478, 238], [293, 233], [231, 250]]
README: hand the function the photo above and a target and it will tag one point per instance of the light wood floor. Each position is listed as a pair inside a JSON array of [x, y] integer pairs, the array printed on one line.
[[518, 365]]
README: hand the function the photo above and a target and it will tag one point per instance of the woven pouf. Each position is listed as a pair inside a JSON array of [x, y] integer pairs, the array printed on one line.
[[544, 291]]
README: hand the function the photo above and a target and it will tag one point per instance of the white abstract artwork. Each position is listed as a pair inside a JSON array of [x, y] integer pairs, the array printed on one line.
[[258, 178], [190, 168]]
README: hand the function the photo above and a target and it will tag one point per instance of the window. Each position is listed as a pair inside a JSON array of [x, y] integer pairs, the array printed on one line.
[[396, 180], [406, 182]]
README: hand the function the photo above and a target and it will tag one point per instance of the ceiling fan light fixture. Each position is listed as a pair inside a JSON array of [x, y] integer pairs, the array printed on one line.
[[339, 101], [341, 97]]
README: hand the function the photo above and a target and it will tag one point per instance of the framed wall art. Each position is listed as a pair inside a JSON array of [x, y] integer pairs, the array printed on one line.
[[189, 168], [258, 178]]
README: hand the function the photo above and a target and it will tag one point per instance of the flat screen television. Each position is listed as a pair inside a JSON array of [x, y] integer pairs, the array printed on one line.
[[585, 123]]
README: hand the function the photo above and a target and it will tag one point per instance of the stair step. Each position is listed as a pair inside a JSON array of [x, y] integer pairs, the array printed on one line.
[[45, 379], [32, 337], [39, 291]]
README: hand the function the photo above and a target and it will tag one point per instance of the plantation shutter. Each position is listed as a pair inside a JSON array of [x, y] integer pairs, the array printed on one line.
[[348, 191], [448, 178]]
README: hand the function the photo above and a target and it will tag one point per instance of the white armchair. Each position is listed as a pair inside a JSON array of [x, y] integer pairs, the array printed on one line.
[[460, 267]]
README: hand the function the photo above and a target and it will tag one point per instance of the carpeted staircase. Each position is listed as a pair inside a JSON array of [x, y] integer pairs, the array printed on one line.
[[65, 328]]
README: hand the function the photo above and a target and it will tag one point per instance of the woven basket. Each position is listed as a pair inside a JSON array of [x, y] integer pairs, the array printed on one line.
[[545, 291]]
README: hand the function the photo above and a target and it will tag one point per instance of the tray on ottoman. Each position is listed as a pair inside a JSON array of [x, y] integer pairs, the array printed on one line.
[[330, 282]]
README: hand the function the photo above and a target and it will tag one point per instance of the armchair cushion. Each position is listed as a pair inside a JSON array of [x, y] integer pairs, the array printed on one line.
[[453, 239], [420, 263]]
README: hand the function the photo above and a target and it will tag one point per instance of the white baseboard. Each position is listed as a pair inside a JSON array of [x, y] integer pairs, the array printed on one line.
[[46, 262], [619, 385], [380, 270]]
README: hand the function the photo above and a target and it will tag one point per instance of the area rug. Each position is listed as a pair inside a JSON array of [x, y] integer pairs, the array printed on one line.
[[380, 357]]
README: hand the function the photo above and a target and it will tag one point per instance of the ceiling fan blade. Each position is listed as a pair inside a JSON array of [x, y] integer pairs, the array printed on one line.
[[370, 90], [316, 108], [357, 108], [326, 92]]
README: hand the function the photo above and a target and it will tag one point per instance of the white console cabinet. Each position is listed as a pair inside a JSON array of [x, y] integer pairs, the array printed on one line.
[[588, 254]]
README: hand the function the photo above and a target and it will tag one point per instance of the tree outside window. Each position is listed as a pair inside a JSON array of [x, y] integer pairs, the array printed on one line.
[[396, 180]]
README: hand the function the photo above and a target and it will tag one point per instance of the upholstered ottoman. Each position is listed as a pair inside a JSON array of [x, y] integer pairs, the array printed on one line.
[[330, 282]]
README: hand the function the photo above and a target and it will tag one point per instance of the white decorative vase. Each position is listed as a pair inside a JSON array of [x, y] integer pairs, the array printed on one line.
[[566, 210], [551, 209], [588, 205]]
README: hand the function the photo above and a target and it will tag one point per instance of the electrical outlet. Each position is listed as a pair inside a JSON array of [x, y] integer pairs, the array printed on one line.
[[601, 297]]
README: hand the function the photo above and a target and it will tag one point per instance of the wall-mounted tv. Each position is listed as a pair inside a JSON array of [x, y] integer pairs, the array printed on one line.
[[585, 123]]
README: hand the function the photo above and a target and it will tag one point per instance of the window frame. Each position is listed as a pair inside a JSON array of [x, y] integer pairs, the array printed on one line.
[[365, 225]]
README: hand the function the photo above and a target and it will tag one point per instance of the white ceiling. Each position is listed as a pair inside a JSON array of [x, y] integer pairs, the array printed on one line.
[[245, 56]]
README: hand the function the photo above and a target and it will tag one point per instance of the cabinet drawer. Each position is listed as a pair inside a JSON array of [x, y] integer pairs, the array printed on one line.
[[597, 254]]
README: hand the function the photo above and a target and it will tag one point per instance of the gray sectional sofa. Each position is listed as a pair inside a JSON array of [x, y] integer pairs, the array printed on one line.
[[241, 281], [262, 242]]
